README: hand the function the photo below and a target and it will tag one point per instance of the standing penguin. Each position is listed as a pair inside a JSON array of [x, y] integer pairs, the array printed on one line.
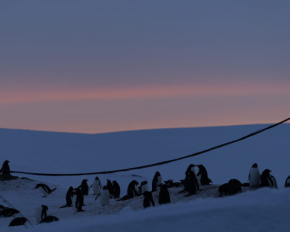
[[157, 180], [41, 213], [131, 191], [110, 187], [116, 189], [148, 199], [164, 196], [105, 196], [78, 200], [96, 186], [202, 175], [43, 188], [144, 187], [287, 182], [69, 196], [84, 187], [267, 179], [191, 184], [5, 170], [274, 182], [254, 176]]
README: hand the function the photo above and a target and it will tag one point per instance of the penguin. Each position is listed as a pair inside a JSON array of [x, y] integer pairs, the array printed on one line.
[[267, 179], [49, 219], [148, 200], [110, 187], [41, 213], [8, 212], [84, 187], [105, 196], [190, 168], [254, 176], [223, 189], [187, 173], [69, 196], [274, 182], [230, 188], [191, 183], [157, 180], [202, 175], [143, 187], [96, 186], [116, 189], [131, 191], [287, 182], [164, 196], [18, 221], [43, 188], [234, 187], [78, 200], [5, 170]]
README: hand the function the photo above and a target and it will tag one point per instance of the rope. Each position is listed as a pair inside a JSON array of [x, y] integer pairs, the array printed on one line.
[[159, 163]]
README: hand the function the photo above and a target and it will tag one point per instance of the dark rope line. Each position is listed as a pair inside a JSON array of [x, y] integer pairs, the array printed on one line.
[[159, 163]]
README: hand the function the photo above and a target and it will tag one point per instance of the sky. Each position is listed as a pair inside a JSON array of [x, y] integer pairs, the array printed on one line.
[[104, 66]]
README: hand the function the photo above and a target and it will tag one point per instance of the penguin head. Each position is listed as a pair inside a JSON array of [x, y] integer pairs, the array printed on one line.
[[37, 186], [44, 207], [6, 161], [97, 178], [255, 165], [109, 181], [267, 170], [135, 182], [191, 166], [71, 189], [157, 174]]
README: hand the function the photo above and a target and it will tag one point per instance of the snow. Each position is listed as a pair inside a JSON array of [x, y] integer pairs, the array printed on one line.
[[260, 210]]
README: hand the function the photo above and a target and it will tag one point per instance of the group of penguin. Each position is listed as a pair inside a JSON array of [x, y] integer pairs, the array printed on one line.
[[256, 180], [190, 184]]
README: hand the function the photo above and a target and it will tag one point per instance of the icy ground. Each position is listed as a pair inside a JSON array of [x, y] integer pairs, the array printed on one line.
[[260, 210]]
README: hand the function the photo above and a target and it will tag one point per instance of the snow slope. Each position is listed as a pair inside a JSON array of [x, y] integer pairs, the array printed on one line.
[[70, 153]]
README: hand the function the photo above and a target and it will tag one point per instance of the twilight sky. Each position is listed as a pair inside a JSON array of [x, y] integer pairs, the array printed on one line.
[[102, 66]]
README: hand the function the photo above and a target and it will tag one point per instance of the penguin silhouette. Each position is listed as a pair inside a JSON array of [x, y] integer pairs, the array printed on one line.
[[84, 187], [202, 175], [69, 196], [41, 213], [157, 180], [5, 170], [254, 176], [78, 200], [131, 191], [8, 212], [164, 196], [110, 187], [148, 200], [116, 189], [267, 180], [43, 188], [18, 221]]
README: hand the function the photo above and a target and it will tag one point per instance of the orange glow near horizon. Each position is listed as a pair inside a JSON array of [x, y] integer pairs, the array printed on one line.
[[86, 94]]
